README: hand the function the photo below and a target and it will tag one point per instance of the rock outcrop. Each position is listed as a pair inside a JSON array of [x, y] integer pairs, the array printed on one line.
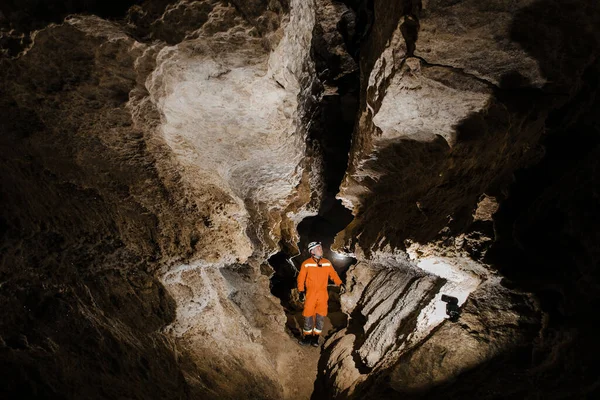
[[149, 167], [155, 154], [455, 98]]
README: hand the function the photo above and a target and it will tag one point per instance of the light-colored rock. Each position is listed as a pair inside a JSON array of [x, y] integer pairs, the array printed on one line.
[[231, 113], [486, 208], [441, 107], [490, 324], [180, 160], [390, 296], [421, 103]]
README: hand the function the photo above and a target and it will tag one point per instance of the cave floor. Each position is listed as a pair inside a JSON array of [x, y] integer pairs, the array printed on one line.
[[304, 359]]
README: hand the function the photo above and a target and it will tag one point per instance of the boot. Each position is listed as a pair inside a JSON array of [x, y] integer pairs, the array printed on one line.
[[306, 340], [315, 340]]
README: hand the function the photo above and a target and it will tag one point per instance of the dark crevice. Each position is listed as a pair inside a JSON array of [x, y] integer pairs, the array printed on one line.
[[360, 18], [328, 141]]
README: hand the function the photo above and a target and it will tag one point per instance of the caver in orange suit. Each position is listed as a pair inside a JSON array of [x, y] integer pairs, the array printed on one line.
[[314, 276]]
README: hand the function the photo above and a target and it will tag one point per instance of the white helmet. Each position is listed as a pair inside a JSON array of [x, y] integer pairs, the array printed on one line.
[[312, 245]]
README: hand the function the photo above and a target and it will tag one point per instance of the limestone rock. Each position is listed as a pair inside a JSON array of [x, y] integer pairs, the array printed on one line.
[[155, 154], [455, 99], [174, 159]]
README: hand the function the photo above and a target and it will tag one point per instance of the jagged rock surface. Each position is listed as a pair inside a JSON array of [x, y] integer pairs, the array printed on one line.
[[445, 122], [383, 314], [144, 185], [167, 145], [456, 97]]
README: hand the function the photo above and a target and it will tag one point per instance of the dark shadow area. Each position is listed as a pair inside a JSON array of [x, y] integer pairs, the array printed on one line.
[[82, 310], [28, 15], [548, 229], [546, 141], [24, 16]]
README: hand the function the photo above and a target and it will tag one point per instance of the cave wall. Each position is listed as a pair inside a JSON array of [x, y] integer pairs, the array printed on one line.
[[463, 107], [144, 187], [440, 125], [86, 217], [142, 199]]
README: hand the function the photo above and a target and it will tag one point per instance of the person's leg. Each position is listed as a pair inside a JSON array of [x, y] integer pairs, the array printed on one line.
[[319, 323], [309, 319], [307, 330], [321, 312], [309, 323]]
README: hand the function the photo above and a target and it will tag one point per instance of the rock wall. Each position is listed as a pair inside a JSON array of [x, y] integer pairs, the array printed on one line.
[[155, 154], [86, 219], [232, 103], [149, 167], [456, 99]]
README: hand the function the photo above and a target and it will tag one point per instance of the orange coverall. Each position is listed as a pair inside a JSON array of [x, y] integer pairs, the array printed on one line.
[[314, 279]]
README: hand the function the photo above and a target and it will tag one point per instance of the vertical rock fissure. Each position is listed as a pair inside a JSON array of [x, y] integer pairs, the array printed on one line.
[[335, 50], [328, 143]]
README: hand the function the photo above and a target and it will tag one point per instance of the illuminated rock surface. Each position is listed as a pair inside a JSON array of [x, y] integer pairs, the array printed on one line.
[[156, 154]]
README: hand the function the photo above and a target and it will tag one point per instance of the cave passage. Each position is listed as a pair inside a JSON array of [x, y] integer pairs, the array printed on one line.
[[332, 134], [322, 228]]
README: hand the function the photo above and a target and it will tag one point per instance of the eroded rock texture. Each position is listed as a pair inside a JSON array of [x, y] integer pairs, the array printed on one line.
[[456, 97], [156, 153], [149, 166]]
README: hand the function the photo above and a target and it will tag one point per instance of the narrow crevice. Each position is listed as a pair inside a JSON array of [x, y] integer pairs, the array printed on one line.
[[328, 141]]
